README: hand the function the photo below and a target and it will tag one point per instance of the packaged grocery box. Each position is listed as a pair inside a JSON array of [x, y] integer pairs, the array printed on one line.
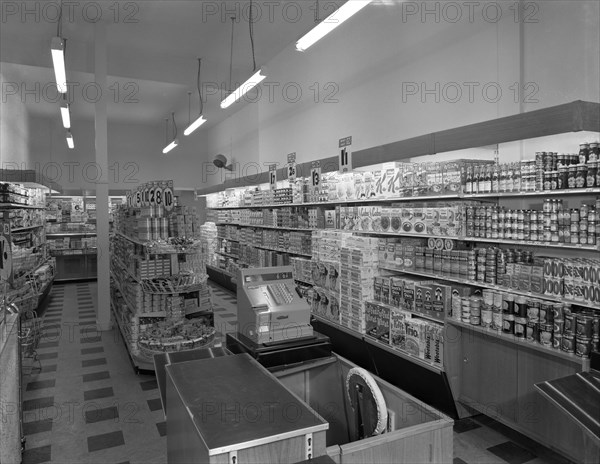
[[415, 338], [386, 219], [377, 287], [371, 319], [396, 219], [397, 328], [396, 289], [383, 325], [422, 292], [385, 290]]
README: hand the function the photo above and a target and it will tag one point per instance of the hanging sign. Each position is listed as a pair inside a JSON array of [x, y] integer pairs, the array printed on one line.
[[273, 176], [315, 173], [345, 154], [168, 196], [292, 171], [5, 252]]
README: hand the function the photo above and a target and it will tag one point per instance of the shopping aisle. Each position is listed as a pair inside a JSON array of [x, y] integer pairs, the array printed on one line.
[[88, 406]]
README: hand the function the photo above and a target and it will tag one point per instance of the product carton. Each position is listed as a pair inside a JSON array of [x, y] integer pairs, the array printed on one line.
[[409, 288], [397, 328], [396, 289], [415, 338], [377, 286], [383, 325], [422, 296], [385, 290], [371, 319]]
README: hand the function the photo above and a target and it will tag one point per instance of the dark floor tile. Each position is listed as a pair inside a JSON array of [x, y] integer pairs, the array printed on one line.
[[93, 362], [96, 376], [512, 453], [464, 425], [227, 316], [91, 315], [40, 426], [89, 330], [98, 393], [38, 403], [44, 345], [155, 404], [101, 414], [39, 384], [162, 428], [149, 385], [91, 311], [91, 340], [96, 349], [37, 455], [217, 310], [43, 356], [105, 440], [459, 461]]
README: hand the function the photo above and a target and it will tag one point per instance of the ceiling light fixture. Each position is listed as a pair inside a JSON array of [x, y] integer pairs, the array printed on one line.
[[348, 9], [57, 48], [201, 119], [258, 75], [70, 141], [65, 114], [174, 141]]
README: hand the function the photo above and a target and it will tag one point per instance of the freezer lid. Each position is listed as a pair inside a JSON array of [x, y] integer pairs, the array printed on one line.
[[578, 396], [235, 403]]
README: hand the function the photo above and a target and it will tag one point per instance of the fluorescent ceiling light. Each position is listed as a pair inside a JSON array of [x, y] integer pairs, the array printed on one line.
[[66, 115], [243, 89], [195, 125], [172, 145], [70, 141], [336, 18], [58, 60]]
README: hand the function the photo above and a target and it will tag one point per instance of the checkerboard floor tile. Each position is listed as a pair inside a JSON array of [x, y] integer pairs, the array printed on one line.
[[116, 415]]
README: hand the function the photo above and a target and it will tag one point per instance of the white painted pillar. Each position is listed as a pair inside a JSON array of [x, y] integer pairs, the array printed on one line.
[[103, 319]]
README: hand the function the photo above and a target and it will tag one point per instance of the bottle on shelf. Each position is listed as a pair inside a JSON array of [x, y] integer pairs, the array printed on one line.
[[496, 179], [476, 180], [516, 187], [469, 180], [487, 180]]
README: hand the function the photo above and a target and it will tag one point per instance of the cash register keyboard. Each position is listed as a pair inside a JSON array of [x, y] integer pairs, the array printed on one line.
[[281, 294]]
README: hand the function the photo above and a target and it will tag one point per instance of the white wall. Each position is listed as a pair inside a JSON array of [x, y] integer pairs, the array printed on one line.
[[14, 128], [369, 59]]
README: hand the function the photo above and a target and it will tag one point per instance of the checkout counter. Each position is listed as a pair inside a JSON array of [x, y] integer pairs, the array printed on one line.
[[225, 406]]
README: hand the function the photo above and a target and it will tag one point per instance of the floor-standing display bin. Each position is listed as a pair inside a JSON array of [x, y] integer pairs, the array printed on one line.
[[418, 433], [230, 409]]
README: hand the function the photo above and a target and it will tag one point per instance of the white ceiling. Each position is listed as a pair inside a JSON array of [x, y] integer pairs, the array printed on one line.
[[153, 48]]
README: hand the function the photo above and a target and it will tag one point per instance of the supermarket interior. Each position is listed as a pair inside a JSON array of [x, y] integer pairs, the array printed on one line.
[[357, 231]]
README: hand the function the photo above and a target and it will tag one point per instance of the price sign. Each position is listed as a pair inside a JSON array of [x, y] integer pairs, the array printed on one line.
[[273, 176], [158, 196], [168, 198], [315, 173], [138, 198], [292, 171], [151, 197], [345, 154], [5, 252]]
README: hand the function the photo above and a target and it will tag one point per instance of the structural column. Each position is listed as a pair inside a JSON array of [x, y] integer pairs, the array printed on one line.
[[103, 321]]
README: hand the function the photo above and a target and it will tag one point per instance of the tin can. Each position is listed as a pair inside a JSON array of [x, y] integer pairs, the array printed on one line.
[[486, 318], [545, 334], [545, 312], [533, 333], [520, 326], [520, 307], [508, 323], [583, 346], [583, 238], [558, 326], [508, 303], [574, 215], [568, 343], [557, 311], [583, 225], [496, 320], [584, 326], [475, 320], [533, 311], [569, 323], [556, 341], [584, 210], [596, 326]]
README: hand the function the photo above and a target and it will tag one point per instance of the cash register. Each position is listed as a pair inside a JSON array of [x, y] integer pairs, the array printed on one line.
[[274, 319]]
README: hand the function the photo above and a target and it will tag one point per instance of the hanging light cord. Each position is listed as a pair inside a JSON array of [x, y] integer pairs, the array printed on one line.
[[59, 22], [317, 19], [174, 126], [231, 53], [199, 89], [251, 24]]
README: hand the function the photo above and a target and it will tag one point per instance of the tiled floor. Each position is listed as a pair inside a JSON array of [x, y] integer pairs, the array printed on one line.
[[87, 405]]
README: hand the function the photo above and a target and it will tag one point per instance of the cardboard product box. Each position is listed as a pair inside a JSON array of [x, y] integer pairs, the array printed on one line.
[[409, 290], [330, 219], [396, 219], [398, 329], [383, 325], [423, 296], [382, 250], [385, 290], [415, 338], [377, 288], [398, 255], [376, 225], [441, 301], [409, 256], [524, 278], [537, 279], [396, 289], [371, 319]]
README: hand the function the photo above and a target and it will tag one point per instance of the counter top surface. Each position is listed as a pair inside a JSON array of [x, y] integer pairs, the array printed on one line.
[[234, 402]]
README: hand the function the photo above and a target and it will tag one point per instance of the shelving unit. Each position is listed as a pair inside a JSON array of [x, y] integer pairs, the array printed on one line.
[[471, 349]]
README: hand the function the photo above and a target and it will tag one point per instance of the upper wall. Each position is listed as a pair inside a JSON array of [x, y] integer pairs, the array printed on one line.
[[14, 129], [388, 74]]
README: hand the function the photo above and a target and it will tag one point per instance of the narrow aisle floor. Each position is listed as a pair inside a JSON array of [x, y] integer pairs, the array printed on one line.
[[87, 405]]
